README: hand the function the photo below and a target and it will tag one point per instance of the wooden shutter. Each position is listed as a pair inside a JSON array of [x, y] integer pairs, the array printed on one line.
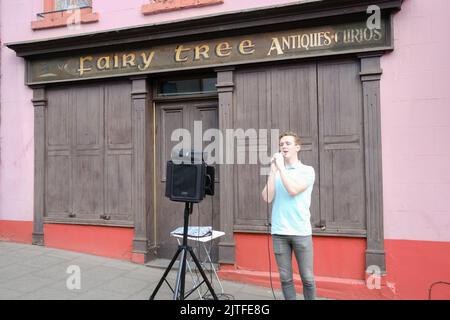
[[283, 98], [118, 152], [87, 106], [89, 153], [342, 203], [251, 108], [59, 162], [294, 108], [323, 104]]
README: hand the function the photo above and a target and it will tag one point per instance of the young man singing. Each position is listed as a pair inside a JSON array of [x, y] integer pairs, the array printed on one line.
[[290, 186]]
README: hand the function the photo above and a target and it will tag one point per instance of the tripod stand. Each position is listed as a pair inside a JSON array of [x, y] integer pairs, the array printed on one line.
[[184, 249]]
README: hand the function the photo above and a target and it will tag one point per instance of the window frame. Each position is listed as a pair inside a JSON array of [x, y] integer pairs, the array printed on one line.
[[53, 3], [52, 18]]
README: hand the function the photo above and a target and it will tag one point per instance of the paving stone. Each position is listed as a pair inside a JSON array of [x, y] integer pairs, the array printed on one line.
[[43, 261], [57, 272], [26, 253], [123, 265], [26, 283], [9, 260], [68, 255], [9, 294], [50, 294], [33, 272], [124, 285], [14, 271], [97, 294]]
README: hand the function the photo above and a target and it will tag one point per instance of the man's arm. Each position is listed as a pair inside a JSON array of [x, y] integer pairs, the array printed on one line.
[[293, 186]]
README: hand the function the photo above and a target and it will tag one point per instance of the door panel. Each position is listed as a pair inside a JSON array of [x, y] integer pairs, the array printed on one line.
[[170, 214]]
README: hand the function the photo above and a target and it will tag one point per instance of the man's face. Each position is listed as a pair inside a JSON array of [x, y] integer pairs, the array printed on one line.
[[288, 147]]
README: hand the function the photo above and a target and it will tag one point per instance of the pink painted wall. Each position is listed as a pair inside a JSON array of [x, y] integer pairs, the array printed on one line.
[[415, 116], [16, 130], [18, 14], [415, 109]]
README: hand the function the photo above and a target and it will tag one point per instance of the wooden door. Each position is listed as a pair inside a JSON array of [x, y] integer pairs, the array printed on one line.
[[169, 214]]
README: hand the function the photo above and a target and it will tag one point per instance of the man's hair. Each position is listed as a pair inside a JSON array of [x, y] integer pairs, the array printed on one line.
[[292, 134]]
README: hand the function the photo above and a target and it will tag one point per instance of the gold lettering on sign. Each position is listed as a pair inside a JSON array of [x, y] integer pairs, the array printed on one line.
[[178, 51], [378, 36], [275, 46], [82, 68], [116, 61], [202, 50], [246, 47], [128, 59], [104, 63], [223, 49], [360, 35], [147, 59], [301, 41]]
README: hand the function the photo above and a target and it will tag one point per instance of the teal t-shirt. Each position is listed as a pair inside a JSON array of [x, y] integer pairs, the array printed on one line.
[[290, 214]]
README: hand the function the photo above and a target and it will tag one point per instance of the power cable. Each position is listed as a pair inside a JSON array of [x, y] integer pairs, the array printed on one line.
[[433, 284]]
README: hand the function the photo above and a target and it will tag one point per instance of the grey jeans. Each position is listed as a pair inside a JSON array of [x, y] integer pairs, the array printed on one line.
[[302, 246]]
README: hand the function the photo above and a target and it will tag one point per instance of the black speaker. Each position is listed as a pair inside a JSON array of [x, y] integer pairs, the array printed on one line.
[[185, 182]]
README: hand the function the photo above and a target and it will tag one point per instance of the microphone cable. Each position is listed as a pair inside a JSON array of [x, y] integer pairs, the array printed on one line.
[[433, 284], [268, 234]]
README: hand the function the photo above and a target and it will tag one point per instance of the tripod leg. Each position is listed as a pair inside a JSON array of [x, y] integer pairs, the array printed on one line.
[[205, 278], [165, 273], [178, 293]]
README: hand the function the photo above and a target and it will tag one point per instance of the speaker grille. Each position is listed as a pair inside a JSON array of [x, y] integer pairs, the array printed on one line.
[[184, 180]]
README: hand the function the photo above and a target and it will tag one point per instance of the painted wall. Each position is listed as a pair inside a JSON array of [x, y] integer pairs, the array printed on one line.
[[16, 131], [413, 268], [415, 117]]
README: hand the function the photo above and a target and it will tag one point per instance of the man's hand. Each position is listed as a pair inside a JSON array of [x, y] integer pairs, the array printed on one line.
[[278, 159], [273, 167]]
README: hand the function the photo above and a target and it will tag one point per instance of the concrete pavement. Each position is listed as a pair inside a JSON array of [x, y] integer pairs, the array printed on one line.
[[29, 272]]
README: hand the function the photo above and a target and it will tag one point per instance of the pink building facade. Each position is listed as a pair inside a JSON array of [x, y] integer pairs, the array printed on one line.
[[414, 118]]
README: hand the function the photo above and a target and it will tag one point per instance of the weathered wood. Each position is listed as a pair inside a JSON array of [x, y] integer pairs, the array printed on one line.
[[118, 151], [58, 184], [89, 151], [87, 106], [140, 97], [39, 103], [341, 146], [170, 117], [225, 87], [370, 77], [283, 98]]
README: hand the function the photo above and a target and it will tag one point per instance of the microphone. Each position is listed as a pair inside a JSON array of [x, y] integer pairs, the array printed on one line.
[[274, 158]]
